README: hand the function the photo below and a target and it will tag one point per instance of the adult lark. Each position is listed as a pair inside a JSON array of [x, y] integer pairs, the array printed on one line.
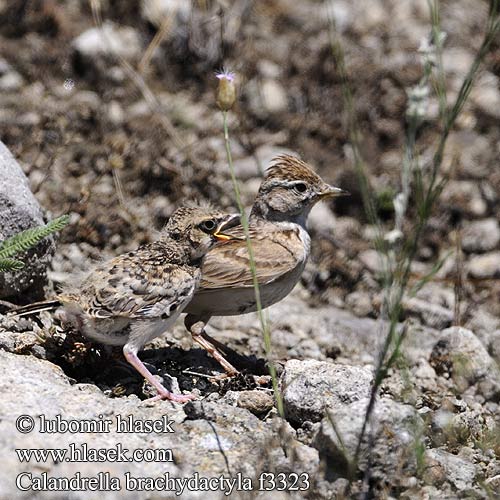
[[281, 247]]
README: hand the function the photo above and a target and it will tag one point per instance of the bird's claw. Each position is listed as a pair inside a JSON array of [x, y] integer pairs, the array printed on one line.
[[177, 398]]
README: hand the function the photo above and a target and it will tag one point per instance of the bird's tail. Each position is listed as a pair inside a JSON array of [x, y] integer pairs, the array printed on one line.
[[36, 307]]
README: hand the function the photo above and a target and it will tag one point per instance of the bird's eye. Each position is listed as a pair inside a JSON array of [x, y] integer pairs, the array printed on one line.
[[300, 187], [208, 226]]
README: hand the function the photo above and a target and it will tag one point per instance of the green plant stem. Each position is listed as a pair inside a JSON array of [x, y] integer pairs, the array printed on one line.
[[440, 84], [244, 222]]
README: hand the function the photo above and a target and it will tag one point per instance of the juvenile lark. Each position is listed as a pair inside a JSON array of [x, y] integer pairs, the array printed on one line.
[[135, 297], [281, 246]]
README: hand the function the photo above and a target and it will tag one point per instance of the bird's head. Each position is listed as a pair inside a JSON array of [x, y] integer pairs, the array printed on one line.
[[289, 191], [200, 228]]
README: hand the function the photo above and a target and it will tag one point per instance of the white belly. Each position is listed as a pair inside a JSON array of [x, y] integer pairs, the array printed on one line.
[[119, 331], [234, 301]]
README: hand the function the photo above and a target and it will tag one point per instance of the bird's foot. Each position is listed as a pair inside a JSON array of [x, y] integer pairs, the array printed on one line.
[[177, 398]]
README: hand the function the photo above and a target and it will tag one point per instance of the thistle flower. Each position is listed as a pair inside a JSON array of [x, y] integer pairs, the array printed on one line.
[[226, 91]]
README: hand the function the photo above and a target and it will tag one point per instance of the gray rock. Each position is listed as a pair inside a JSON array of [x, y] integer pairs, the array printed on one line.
[[235, 433], [34, 387], [302, 457], [274, 98], [494, 347], [483, 323], [11, 81], [9, 78], [155, 11], [429, 313], [257, 402], [354, 340], [393, 427], [441, 424], [486, 96], [19, 210], [266, 97], [110, 39], [269, 69], [468, 351], [481, 236], [360, 303], [465, 197], [468, 361], [7, 342], [425, 375], [456, 421], [485, 266], [232, 440], [477, 156], [463, 57], [310, 387], [441, 465], [322, 219], [372, 260]]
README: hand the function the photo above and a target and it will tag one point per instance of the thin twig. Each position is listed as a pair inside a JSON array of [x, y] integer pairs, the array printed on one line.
[[160, 35], [458, 287]]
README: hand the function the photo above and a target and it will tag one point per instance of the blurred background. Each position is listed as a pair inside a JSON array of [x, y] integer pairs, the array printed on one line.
[[110, 108]]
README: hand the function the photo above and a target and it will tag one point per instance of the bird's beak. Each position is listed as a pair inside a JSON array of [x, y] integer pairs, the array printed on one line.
[[227, 222], [333, 192]]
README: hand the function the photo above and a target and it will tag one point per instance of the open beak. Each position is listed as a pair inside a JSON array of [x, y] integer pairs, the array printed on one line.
[[227, 222], [333, 192]]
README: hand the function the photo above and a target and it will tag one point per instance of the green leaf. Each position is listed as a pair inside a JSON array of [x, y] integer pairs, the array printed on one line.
[[425, 279], [31, 237], [10, 265]]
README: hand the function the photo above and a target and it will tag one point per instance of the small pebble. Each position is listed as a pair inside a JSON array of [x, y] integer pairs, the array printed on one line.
[[257, 402]]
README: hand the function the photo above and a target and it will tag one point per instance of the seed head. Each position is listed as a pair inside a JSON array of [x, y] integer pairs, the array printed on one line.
[[226, 91]]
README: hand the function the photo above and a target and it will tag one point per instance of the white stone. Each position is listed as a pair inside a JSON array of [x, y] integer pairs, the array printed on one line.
[[110, 39]]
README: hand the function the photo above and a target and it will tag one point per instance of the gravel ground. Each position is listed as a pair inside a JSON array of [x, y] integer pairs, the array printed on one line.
[[92, 144]]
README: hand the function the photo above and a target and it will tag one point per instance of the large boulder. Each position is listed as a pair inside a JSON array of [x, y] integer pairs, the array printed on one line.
[[391, 438], [19, 210], [311, 387], [461, 355]]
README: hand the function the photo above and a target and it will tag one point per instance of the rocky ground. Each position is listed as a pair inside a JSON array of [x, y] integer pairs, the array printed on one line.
[[119, 150]]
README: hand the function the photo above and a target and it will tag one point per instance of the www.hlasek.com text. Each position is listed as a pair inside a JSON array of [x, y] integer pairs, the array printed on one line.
[[84, 453]]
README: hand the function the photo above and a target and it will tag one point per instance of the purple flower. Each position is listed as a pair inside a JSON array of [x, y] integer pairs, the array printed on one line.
[[225, 75]]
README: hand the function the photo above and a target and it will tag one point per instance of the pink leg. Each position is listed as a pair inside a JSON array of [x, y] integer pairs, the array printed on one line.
[[133, 359]]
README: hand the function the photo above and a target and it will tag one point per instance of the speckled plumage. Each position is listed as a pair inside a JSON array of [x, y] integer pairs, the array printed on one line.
[[151, 284], [280, 242], [137, 296]]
